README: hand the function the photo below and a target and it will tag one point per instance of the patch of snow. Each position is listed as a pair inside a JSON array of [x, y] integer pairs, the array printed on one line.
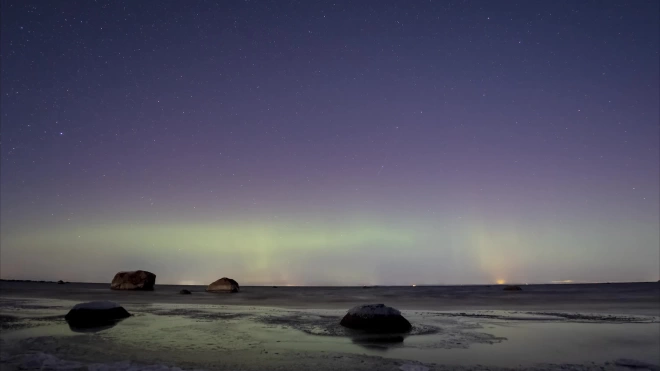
[[409, 367], [373, 310], [43, 361], [97, 305]]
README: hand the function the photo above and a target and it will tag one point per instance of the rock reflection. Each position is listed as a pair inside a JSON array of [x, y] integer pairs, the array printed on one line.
[[92, 329], [379, 342]]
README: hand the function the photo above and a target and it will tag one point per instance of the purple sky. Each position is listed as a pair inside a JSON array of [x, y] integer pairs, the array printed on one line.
[[345, 142]]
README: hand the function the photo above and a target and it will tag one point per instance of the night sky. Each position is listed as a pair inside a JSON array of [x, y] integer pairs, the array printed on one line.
[[331, 142]]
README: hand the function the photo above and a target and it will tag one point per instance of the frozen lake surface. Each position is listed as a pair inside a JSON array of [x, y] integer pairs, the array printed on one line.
[[544, 327]]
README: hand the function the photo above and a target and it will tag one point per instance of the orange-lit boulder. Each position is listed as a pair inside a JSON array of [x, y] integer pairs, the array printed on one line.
[[135, 280]]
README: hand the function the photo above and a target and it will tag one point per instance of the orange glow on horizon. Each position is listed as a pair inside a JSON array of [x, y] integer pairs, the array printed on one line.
[[500, 282]]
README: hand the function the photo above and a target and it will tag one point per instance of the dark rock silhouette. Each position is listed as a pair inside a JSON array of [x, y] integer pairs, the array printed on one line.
[[28, 281], [185, 292], [135, 280], [95, 314], [376, 318], [60, 282], [224, 285], [512, 288]]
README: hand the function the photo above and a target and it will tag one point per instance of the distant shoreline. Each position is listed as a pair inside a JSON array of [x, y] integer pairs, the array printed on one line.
[[358, 286], [618, 298]]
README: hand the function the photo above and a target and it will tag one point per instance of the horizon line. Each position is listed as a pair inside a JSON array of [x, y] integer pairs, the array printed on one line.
[[565, 282]]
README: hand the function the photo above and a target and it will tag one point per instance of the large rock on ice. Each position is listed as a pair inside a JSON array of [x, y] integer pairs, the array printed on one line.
[[376, 318], [224, 285], [135, 280], [95, 314]]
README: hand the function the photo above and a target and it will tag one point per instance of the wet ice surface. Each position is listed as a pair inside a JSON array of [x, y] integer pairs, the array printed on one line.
[[224, 337], [610, 327], [18, 314], [617, 298]]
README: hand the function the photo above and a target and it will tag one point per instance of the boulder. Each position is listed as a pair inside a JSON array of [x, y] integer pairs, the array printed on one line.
[[224, 285], [512, 288], [135, 280], [95, 314], [185, 292], [60, 282], [376, 318]]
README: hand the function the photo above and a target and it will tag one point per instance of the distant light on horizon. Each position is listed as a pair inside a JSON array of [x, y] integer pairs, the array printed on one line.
[[190, 283], [501, 282]]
